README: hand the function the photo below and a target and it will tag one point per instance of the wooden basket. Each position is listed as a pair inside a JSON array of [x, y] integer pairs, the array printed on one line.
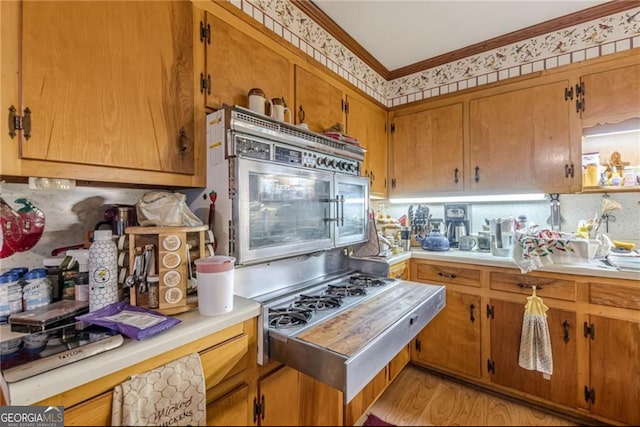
[[171, 245]]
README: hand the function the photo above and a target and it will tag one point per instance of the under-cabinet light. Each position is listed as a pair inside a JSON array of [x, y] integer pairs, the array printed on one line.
[[42, 183], [529, 197]]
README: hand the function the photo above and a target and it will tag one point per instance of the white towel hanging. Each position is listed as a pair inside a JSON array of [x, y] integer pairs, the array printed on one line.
[[173, 394], [535, 340]]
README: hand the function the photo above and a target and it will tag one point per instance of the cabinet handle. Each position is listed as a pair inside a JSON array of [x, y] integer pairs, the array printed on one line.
[[565, 326], [373, 177], [568, 170], [12, 122], [477, 177], [448, 275], [455, 175], [471, 317], [524, 285], [183, 142], [301, 114]]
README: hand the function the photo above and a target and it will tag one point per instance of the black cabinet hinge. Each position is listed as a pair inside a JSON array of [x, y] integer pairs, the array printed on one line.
[[580, 89], [418, 345], [579, 105], [393, 128], [589, 395], [205, 83], [258, 409], [491, 366], [568, 93], [589, 330], [17, 122], [490, 313], [205, 32], [393, 183]]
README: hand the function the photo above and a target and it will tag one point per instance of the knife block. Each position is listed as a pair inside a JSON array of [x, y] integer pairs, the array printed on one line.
[[173, 247]]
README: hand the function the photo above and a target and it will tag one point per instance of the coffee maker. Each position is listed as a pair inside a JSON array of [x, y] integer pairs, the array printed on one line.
[[457, 221]]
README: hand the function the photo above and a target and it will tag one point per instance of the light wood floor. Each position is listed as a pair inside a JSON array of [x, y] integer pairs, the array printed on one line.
[[417, 397]]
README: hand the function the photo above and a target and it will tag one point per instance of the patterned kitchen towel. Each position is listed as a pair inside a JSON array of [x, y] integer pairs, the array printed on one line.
[[535, 340], [170, 395]]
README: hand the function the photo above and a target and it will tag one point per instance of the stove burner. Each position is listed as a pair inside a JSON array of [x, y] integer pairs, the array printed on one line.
[[367, 281], [288, 317], [318, 302], [346, 290]]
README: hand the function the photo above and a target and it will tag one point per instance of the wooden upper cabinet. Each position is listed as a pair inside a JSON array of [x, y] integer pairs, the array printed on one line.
[[521, 140], [368, 123], [110, 84], [321, 101], [428, 151], [611, 96], [236, 62]]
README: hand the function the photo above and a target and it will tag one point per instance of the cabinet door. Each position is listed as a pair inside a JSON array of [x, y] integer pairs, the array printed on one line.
[[427, 151], [230, 410], [451, 340], [318, 103], [368, 124], [611, 96], [366, 397], [110, 83], [237, 62], [520, 140], [93, 412], [506, 329], [280, 398], [615, 369]]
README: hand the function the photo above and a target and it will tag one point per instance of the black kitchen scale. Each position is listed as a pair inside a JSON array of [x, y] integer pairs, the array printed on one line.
[[38, 352]]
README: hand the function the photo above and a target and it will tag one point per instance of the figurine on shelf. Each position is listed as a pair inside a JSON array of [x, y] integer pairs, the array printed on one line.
[[615, 166]]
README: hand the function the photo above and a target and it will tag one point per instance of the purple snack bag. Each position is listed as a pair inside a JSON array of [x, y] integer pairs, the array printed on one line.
[[131, 321]]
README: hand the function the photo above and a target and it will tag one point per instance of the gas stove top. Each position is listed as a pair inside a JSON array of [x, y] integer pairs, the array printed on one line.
[[295, 312]]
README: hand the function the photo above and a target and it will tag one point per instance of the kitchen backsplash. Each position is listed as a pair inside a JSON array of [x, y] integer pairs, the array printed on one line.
[[70, 214], [573, 208]]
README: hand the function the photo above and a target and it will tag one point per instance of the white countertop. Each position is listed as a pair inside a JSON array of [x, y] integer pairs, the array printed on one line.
[[192, 327], [485, 258]]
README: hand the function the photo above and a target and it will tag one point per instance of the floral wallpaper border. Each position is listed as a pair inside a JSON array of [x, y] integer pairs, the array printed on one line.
[[603, 36]]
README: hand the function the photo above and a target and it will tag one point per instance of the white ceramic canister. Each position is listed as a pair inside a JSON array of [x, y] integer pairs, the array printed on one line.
[[215, 276], [103, 270]]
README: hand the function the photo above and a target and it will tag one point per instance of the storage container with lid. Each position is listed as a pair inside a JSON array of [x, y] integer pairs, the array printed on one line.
[[37, 289], [215, 278]]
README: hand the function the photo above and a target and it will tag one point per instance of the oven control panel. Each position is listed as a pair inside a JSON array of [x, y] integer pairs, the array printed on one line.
[[294, 156]]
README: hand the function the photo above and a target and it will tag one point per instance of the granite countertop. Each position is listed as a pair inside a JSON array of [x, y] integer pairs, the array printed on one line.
[[192, 327], [485, 258]]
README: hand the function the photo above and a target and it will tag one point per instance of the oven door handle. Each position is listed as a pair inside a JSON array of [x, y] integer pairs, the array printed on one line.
[[340, 203]]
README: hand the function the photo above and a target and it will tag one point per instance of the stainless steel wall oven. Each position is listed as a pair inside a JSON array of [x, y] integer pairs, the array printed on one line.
[[281, 190]]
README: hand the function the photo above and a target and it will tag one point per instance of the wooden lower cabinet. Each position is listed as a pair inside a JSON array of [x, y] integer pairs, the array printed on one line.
[[506, 327], [451, 341], [227, 364], [594, 327], [370, 393], [231, 409], [287, 397], [399, 270]]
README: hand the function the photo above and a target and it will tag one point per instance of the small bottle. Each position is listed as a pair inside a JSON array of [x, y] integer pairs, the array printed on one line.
[[103, 270], [153, 282], [521, 225]]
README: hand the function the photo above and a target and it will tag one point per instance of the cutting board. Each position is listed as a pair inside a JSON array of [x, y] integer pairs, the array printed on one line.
[[351, 330]]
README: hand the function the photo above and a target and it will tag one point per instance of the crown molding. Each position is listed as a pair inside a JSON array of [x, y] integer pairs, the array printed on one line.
[[319, 17]]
